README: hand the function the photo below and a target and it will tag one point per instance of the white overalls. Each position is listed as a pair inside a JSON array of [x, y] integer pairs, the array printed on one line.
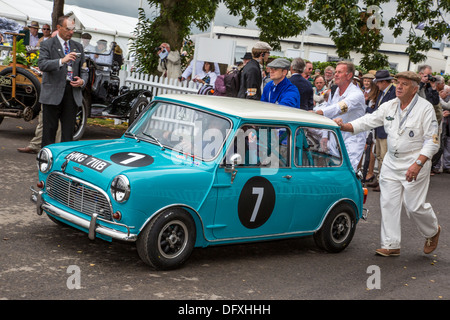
[[416, 135], [349, 106]]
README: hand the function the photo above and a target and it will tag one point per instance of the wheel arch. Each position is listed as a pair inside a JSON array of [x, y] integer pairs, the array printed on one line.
[[199, 226], [335, 204]]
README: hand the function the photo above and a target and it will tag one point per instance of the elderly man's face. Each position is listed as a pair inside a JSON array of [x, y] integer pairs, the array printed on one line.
[[406, 89], [424, 74], [67, 29], [342, 76], [328, 75], [34, 31]]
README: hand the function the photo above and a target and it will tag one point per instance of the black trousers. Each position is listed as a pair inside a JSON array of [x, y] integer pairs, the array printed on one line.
[[65, 112]]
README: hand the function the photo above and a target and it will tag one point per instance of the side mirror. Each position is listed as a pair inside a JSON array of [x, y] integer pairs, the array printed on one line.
[[235, 160]]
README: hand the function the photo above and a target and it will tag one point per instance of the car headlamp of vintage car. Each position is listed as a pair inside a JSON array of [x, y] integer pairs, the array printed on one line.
[[120, 188], [44, 160]]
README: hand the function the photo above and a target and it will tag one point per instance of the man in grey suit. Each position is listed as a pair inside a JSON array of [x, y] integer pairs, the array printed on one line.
[[61, 60]]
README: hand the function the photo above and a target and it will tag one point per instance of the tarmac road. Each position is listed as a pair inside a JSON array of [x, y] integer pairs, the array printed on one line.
[[40, 259]]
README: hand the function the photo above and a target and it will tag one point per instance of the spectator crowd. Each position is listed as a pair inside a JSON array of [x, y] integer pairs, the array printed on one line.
[[293, 84]]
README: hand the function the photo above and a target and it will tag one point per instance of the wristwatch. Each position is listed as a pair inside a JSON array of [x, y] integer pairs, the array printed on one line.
[[419, 163]]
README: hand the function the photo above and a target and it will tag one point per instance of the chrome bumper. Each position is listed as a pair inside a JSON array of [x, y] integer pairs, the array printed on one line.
[[91, 225], [365, 214]]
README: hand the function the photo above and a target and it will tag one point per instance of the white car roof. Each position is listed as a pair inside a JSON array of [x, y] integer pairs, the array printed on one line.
[[249, 109]]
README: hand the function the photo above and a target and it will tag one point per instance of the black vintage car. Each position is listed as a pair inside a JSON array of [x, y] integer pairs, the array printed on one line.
[[103, 95]]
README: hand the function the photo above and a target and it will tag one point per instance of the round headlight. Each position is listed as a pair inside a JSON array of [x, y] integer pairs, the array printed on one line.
[[44, 160], [120, 188]]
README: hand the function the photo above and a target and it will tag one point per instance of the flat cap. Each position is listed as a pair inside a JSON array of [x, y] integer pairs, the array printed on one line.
[[280, 63], [368, 76], [261, 45], [413, 76]]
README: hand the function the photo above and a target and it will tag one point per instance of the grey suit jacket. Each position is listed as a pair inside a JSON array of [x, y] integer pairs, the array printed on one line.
[[54, 76]]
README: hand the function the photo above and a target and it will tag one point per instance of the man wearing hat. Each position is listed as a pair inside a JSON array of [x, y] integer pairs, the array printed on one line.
[[101, 55], [85, 41], [280, 90], [246, 58], [32, 34], [412, 128], [251, 75], [383, 81]]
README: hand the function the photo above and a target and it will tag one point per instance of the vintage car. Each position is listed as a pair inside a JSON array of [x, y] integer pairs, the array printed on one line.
[[194, 171]]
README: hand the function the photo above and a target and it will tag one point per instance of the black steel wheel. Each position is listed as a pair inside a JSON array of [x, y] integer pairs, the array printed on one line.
[[338, 229], [168, 240]]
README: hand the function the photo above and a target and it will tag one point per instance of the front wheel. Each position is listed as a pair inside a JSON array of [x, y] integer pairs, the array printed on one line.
[[168, 240], [338, 229], [137, 108]]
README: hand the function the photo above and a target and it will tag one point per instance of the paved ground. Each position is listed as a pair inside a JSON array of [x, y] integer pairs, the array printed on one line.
[[39, 259]]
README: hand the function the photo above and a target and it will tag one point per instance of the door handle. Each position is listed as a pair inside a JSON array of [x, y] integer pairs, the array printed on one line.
[[287, 177]]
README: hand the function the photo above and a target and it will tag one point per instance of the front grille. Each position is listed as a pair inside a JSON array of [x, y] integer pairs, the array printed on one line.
[[78, 195]]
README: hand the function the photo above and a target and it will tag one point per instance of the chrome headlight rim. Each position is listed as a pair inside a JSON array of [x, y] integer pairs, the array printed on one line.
[[120, 188], [44, 157]]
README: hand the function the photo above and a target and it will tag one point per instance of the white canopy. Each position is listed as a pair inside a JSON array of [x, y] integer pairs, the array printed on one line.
[[101, 25]]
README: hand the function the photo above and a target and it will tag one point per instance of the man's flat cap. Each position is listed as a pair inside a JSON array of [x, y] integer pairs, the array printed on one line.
[[280, 63], [413, 76], [261, 45]]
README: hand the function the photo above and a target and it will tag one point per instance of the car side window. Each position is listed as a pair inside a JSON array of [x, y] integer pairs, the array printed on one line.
[[316, 148], [260, 146]]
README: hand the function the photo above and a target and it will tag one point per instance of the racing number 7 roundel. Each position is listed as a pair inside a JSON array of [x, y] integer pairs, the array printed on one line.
[[256, 202]]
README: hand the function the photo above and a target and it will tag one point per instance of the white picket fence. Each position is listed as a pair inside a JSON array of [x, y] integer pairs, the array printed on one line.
[[160, 85]]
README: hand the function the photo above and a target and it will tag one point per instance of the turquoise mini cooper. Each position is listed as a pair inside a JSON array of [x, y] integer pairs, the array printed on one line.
[[194, 171]]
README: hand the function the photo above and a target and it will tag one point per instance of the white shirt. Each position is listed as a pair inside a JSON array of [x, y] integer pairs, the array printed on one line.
[[349, 106], [417, 135]]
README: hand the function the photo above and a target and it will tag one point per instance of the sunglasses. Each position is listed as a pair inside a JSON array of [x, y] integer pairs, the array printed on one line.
[[45, 28]]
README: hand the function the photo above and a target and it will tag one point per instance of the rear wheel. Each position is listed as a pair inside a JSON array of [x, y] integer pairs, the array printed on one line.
[[168, 240], [28, 88], [338, 229]]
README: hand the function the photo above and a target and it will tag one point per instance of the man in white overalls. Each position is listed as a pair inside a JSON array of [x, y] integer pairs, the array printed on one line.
[[348, 102], [410, 122]]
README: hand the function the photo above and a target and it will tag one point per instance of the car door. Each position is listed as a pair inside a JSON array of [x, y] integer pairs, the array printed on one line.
[[320, 178], [253, 184]]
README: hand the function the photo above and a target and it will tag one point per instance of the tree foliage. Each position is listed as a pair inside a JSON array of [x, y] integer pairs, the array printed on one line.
[[347, 21]]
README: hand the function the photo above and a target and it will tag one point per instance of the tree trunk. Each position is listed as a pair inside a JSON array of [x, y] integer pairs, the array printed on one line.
[[58, 11]]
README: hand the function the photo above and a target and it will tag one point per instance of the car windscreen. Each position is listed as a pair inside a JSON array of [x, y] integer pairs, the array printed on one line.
[[184, 129]]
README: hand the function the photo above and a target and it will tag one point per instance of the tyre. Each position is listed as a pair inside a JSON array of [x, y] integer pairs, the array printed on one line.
[[168, 240], [136, 109], [338, 229], [28, 89], [80, 121]]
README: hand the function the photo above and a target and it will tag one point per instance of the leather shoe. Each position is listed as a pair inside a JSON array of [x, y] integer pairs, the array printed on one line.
[[372, 184], [376, 189], [388, 252], [27, 150], [431, 243]]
